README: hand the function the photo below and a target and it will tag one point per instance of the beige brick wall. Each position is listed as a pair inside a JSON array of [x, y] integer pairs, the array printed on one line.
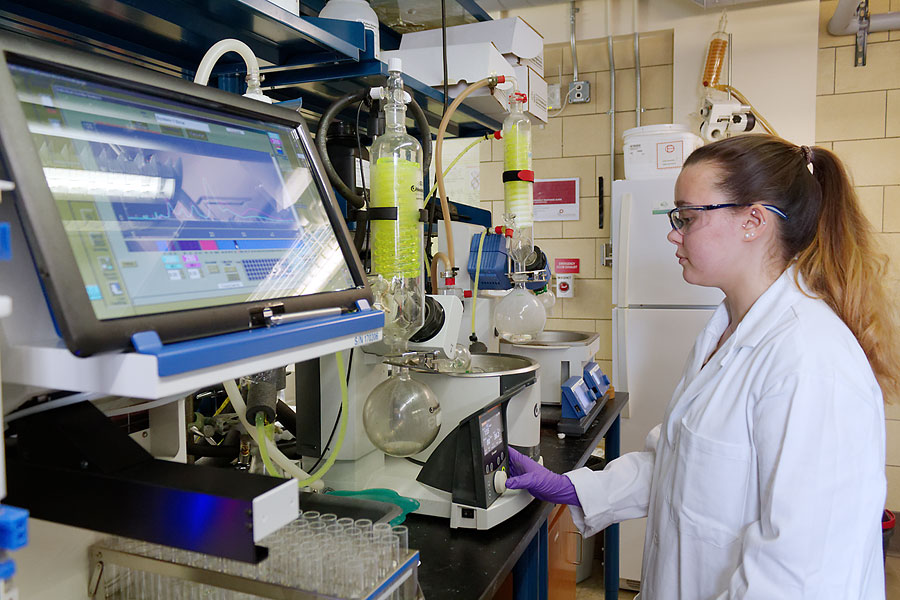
[[575, 143], [858, 116]]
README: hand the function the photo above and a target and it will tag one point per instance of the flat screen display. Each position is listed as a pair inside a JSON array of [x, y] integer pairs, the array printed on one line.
[[169, 206], [491, 426]]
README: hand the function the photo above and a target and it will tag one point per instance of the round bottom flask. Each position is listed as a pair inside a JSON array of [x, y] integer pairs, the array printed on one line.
[[402, 416], [520, 316]]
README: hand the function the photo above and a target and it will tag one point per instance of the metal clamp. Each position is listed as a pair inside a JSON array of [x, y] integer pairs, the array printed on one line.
[[862, 13], [606, 254]]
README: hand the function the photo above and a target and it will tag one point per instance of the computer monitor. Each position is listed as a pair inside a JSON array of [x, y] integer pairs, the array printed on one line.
[[151, 203]]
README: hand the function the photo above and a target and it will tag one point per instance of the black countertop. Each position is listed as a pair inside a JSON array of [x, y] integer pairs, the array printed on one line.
[[472, 564]]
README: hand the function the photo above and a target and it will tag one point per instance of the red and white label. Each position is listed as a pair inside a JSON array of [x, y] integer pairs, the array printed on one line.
[[556, 199], [566, 265], [669, 155]]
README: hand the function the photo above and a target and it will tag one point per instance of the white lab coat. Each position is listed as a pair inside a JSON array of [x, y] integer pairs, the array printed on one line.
[[766, 479]]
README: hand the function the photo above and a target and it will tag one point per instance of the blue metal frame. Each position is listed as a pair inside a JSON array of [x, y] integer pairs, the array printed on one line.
[[474, 10], [611, 533], [191, 355], [289, 75], [171, 36], [531, 572]]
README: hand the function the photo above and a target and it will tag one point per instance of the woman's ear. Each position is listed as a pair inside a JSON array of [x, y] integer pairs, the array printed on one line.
[[754, 222]]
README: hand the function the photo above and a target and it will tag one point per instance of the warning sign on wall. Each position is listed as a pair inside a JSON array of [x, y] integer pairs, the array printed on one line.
[[556, 199], [566, 265]]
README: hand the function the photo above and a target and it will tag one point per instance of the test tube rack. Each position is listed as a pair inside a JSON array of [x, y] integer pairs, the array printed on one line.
[[116, 564]]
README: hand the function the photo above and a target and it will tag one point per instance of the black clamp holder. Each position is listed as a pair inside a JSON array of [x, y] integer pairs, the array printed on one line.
[[862, 33]]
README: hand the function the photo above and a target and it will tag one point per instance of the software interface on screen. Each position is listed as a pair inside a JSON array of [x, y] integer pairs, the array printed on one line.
[[491, 424], [171, 207]]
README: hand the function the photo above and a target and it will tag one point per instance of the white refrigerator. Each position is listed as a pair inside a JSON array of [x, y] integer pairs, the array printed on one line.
[[656, 317]]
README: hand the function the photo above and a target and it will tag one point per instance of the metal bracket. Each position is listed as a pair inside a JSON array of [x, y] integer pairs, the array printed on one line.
[[862, 13], [606, 254]]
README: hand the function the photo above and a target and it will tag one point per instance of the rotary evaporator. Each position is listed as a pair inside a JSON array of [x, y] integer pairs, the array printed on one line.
[[434, 405]]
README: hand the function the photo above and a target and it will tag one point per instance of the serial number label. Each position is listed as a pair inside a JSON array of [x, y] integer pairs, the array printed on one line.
[[367, 338]]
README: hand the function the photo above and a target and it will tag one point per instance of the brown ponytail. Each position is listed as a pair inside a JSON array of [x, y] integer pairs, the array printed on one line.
[[835, 250]]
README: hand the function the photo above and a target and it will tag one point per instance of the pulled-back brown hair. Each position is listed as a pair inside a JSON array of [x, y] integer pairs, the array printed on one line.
[[826, 233]]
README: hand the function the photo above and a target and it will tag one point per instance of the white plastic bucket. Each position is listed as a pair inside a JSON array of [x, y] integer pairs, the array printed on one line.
[[657, 150]]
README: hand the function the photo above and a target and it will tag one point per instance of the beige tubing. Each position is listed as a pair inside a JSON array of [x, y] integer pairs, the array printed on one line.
[[439, 171], [439, 256]]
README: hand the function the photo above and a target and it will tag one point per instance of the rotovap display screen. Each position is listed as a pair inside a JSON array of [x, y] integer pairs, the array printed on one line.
[[169, 207]]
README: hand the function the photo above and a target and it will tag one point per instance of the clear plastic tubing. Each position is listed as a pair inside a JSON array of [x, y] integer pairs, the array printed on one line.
[[398, 279], [518, 192]]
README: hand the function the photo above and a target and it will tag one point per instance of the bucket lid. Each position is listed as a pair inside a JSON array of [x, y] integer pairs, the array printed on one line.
[[667, 128]]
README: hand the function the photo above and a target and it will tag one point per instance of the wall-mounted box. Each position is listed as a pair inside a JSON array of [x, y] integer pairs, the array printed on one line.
[[518, 42], [468, 63]]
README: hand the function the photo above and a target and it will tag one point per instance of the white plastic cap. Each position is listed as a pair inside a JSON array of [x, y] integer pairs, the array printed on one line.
[[395, 63]]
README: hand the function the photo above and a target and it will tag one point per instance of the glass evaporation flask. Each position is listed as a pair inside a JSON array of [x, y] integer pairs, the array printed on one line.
[[520, 316], [402, 416], [397, 276]]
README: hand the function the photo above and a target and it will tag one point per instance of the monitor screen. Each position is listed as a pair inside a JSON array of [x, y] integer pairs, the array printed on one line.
[[170, 206], [491, 426]]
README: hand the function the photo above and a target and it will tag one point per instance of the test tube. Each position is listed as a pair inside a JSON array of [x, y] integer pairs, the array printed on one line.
[[311, 566], [316, 527], [381, 529], [364, 524], [328, 518], [402, 533], [369, 568], [298, 529], [345, 522], [311, 515]]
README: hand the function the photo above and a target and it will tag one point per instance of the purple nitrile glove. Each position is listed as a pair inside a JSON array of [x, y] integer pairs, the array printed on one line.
[[542, 483]]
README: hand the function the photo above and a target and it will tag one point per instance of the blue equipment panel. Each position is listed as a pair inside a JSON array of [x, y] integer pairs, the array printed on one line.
[[596, 380], [5, 242], [494, 273], [577, 400]]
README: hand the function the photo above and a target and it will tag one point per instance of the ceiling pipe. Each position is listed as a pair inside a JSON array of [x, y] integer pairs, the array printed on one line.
[[844, 21]]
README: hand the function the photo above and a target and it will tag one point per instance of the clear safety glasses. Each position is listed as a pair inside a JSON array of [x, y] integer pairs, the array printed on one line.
[[681, 217]]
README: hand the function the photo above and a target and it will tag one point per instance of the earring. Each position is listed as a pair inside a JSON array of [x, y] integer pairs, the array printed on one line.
[[763, 222], [747, 235]]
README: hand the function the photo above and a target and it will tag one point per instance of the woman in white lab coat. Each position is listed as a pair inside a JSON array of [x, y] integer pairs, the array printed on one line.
[[766, 478]]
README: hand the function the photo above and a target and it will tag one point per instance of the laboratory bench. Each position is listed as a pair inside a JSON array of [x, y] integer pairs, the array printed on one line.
[[472, 564]]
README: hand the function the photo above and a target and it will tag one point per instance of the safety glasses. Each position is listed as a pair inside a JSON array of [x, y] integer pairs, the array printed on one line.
[[681, 217]]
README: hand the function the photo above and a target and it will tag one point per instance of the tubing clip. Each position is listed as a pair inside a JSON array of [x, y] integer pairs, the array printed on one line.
[[522, 175], [383, 213]]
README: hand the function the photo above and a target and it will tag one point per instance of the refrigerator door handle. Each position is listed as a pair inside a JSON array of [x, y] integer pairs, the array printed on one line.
[[622, 251]]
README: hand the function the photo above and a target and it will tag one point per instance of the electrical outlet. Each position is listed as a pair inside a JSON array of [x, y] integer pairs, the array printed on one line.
[[579, 92], [553, 99]]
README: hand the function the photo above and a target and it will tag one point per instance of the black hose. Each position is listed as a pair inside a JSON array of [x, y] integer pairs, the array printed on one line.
[[287, 417], [359, 236], [334, 110], [421, 120], [322, 144]]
